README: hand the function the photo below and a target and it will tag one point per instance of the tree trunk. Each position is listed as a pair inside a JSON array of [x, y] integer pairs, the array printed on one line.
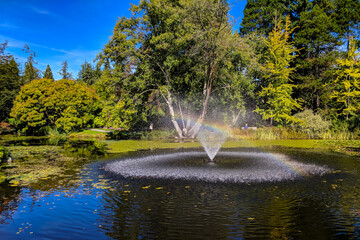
[[169, 102], [195, 129]]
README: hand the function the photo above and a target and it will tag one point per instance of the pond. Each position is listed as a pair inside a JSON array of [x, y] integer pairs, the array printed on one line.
[[90, 201]]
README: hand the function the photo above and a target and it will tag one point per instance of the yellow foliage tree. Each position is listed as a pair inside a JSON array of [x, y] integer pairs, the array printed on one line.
[[277, 89], [347, 91]]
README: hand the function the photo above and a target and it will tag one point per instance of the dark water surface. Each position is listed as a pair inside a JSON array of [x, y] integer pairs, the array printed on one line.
[[96, 204]]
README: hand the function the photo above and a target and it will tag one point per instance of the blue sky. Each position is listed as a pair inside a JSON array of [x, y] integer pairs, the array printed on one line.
[[71, 30]]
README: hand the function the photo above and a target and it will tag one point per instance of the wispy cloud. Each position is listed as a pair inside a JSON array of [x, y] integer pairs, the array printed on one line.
[[7, 25], [40, 11], [54, 56], [20, 44]]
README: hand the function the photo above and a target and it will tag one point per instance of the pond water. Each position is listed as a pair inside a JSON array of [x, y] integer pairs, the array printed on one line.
[[91, 202]]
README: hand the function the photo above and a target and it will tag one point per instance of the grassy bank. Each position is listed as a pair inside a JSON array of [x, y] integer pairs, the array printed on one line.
[[345, 146], [274, 133]]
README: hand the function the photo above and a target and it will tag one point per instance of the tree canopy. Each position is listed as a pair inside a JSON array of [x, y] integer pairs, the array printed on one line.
[[182, 51], [63, 104], [9, 82]]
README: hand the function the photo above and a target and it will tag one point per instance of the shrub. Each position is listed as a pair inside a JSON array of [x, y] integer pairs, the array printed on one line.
[[4, 127], [4, 154], [64, 104], [311, 124]]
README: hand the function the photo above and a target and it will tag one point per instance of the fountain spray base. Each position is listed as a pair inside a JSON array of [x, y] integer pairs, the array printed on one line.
[[232, 167]]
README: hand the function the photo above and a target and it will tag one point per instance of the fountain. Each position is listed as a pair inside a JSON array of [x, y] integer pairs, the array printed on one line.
[[211, 140], [241, 166], [212, 165]]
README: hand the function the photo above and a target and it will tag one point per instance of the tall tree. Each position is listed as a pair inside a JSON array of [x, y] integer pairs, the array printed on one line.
[[347, 91], [88, 74], [30, 72], [317, 41], [348, 19], [64, 71], [9, 82], [277, 95], [48, 73], [183, 50], [261, 16]]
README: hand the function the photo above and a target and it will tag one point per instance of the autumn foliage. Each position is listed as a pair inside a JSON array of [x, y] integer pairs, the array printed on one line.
[[64, 104]]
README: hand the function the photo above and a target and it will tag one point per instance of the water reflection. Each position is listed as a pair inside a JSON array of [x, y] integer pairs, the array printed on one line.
[[86, 204], [323, 207]]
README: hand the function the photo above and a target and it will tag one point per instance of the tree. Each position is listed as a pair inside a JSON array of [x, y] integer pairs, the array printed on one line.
[[179, 50], [88, 74], [9, 82], [64, 71], [48, 73], [317, 41], [119, 109], [45, 103], [261, 16], [31, 72], [347, 18], [347, 91], [277, 95]]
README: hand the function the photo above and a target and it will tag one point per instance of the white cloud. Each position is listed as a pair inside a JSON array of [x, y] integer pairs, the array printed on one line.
[[40, 11], [54, 57], [7, 25]]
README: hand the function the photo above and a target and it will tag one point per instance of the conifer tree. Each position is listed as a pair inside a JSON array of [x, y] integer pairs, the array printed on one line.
[[31, 72], [318, 41], [88, 74], [348, 19], [48, 73], [64, 71], [9, 82]]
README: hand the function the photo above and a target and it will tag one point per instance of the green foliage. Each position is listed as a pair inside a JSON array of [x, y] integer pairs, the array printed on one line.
[[64, 104], [120, 109], [88, 74], [261, 15], [54, 133], [4, 154], [157, 135], [317, 41], [48, 73], [170, 54], [277, 91], [311, 124], [347, 18], [9, 82], [30, 72]]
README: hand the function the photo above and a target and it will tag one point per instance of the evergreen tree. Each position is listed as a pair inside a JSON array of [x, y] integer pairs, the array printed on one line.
[[261, 15], [347, 19], [9, 82], [64, 71], [317, 41], [88, 74], [31, 72], [48, 73]]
